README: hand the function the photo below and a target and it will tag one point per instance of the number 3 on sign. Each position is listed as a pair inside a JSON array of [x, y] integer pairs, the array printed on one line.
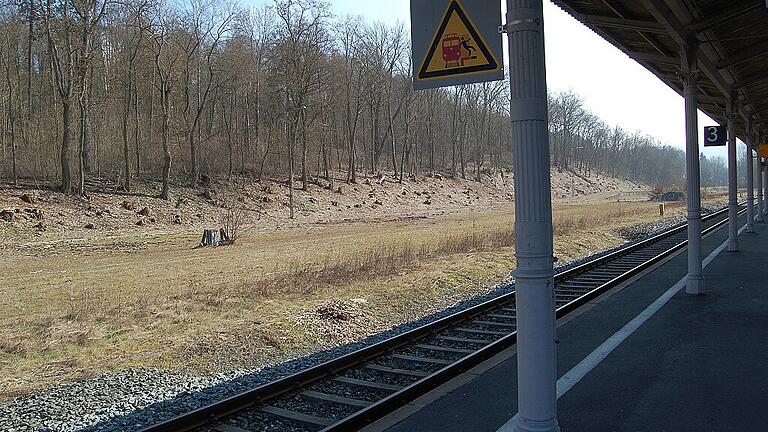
[[712, 134], [715, 136]]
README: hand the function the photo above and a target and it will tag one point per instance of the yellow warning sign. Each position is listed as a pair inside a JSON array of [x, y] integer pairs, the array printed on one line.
[[762, 150], [457, 48]]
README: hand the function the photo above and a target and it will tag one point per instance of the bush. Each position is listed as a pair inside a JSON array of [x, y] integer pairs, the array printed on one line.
[[234, 220]]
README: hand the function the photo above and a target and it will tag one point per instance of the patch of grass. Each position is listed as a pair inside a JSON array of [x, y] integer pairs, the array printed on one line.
[[70, 314]]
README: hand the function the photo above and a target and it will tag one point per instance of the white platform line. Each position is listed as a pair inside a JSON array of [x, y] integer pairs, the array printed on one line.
[[573, 376]]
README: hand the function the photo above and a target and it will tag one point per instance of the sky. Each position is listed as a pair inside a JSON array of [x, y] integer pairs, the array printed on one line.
[[615, 87]]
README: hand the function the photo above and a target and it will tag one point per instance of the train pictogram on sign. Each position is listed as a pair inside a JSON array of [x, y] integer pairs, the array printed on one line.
[[457, 48]]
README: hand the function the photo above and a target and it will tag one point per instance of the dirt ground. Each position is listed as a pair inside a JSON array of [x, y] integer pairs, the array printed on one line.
[[44, 215], [77, 301]]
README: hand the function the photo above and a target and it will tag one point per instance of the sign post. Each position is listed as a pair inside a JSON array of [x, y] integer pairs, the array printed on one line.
[[455, 42], [534, 275]]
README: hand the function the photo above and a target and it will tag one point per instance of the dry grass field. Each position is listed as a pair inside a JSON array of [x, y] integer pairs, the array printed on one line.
[[154, 300]]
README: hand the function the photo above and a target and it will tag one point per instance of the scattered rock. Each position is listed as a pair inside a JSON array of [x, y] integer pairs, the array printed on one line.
[[145, 211], [27, 198], [266, 200], [312, 200], [177, 219], [205, 179], [670, 196], [208, 194], [128, 205], [37, 213], [140, 222], [7, 215], [358, 205], [335, 203], [89, 226], [428, 202], [377, 202], [335, 310], [339, 190], [41, 226]]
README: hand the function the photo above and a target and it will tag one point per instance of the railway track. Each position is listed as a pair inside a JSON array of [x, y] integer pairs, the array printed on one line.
[[358, 388]]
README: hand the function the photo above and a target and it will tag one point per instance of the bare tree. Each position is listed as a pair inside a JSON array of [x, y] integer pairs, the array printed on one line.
[[165, 64], [267, 90]]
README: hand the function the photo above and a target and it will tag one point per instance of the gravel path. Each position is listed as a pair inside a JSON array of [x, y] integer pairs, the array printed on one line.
[[129, 400], [645, 230]]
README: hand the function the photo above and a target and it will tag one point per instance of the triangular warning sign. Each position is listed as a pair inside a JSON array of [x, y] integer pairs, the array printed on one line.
[[457, 48]]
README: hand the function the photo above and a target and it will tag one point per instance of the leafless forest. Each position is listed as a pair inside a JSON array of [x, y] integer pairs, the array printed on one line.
[[182, 91]]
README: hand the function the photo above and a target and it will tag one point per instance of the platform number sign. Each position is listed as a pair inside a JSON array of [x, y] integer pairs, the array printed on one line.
[[715, 136]]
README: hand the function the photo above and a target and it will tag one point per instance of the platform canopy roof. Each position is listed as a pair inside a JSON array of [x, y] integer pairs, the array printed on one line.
[[732, 37]]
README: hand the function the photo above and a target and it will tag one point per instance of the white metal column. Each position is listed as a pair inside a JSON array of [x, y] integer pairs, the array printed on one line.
[[764, 176], [690, 76], [760, 202], [760, 197], [534, 275], [750, 168], [733, 199]]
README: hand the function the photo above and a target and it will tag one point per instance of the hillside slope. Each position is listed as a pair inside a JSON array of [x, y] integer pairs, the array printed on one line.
[[33, 215]]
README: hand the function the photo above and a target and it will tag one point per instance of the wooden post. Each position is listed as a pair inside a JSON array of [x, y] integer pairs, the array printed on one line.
[[661, 209]]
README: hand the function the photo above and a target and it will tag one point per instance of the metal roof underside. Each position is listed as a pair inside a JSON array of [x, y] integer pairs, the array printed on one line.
[[733, 46]]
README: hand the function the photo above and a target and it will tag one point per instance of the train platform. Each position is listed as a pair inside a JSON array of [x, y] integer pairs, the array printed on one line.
[[643, 357]]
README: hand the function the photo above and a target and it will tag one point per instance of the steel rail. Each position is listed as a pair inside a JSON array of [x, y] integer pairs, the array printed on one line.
[[222, 409]]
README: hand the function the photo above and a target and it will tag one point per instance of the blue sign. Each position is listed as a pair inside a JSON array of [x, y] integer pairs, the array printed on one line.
[[715, 136]]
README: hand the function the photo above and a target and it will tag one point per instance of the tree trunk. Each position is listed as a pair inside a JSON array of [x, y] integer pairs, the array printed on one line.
[[164, 96], [193, 153], [30, 40], [290, 167], [392, 133], [352, 162], [137, 128], [66, 171], [126, 151], [13, 154], [150, 128], [404, 152], [304, 149], [245, 149], [228, 129], [83, 105]]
